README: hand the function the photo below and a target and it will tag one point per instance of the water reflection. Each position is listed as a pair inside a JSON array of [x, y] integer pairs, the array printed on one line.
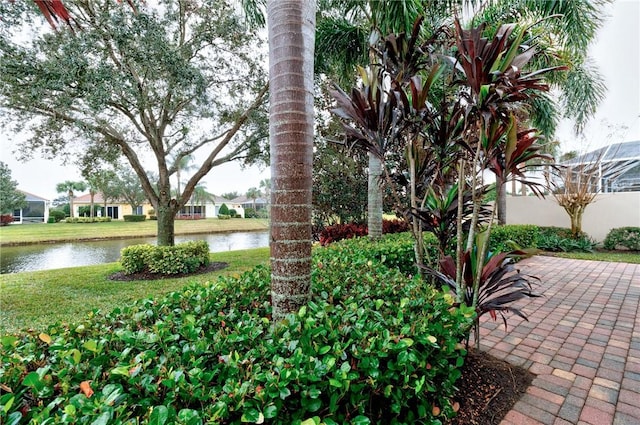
[[15, 259]]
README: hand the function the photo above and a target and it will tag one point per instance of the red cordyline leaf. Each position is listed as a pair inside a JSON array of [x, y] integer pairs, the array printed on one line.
[[55, 9]]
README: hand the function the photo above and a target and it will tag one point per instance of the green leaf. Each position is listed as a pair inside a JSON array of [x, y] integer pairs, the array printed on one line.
[[103, 419], [14, 418], [407, 341], [9, 341], [32, 380], [6, 401], [91, 345], [120, 370], [159, 415], [189, 417], [270, 411], [75, 355], [252, 416], [335, 383], [361, 420], [324, 350], [311, 421]]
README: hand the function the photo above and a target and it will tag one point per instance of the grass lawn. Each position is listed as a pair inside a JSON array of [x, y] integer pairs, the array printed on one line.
[[57, 232], [37, 299], [632, 257]]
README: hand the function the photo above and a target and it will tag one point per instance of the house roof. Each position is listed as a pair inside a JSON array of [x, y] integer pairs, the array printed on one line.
[[245, 200], [612, 153], [32, 197]]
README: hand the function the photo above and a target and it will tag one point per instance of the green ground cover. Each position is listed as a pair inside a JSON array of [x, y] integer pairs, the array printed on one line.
[[38, 299], [57, 232], [372, 346]]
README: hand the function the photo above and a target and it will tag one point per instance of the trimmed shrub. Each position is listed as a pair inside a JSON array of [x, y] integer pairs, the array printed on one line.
[[224, 216], [250, 213], [134, 217], [508, 237], [6, 219], [166, 260], [134, 258], [224, 210], [58, 215], [84, 220], [232, 212], [627, 237], [394, 251], [394, 226], [372, 346]]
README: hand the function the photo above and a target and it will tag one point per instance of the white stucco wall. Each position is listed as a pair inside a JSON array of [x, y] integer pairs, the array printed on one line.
[[608, 211]]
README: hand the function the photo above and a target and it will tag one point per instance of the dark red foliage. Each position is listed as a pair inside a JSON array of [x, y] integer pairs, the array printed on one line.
[[6, 219], [337, 232], [394, 226]]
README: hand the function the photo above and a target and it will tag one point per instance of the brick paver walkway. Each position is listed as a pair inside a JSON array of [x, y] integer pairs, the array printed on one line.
[[582, 341]]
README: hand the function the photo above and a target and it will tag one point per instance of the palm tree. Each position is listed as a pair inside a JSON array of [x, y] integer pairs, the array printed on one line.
[[265, 188], [253, 194], [69, 187], [180, 164], [200, 195], [291, 28]]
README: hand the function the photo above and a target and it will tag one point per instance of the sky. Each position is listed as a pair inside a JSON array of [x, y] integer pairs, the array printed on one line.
[[616, 53]]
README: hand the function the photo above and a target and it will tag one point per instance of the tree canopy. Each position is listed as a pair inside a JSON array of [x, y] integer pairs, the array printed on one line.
[[10, 197], [154, 83]]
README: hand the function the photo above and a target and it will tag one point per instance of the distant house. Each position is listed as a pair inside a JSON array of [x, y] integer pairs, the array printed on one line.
[[618, 166], [114, 209], [258, 204], [36, 211], [118, 209]]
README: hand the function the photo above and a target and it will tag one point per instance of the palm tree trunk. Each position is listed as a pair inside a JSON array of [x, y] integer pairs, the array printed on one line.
[[291, 26], [374, 195], [70, 193]]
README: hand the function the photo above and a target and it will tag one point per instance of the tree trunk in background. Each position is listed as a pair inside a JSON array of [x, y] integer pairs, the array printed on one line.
[[374, 196], [291, 26], [501, 199]]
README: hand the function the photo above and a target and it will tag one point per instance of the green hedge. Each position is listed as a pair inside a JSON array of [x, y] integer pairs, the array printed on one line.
[[508, 237], [394, 250], [83, 220], [627, 237], [167, 260], [134, 217], [372, 346]]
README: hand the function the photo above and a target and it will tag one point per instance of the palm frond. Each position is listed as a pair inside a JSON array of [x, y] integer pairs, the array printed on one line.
[[582, 93]]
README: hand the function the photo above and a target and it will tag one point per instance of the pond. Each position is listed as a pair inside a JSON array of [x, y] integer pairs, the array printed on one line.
[[14, 259]]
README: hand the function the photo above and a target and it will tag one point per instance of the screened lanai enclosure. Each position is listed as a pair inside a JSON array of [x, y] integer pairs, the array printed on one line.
[[613, 168]]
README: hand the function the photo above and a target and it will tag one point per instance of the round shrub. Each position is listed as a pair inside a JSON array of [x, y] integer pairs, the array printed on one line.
[[166, 260], [58, 215], [627, 237]]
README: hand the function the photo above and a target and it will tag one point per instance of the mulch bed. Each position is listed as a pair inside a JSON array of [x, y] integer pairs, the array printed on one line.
[[211, 267], [488, 389]]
